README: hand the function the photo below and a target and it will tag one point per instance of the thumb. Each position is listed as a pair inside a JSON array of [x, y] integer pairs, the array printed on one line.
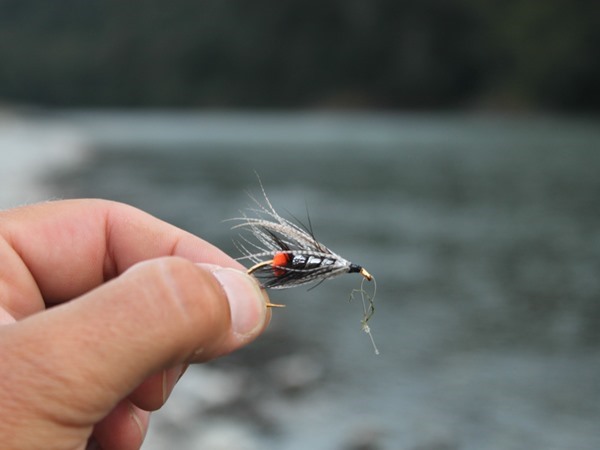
[[73, 363]]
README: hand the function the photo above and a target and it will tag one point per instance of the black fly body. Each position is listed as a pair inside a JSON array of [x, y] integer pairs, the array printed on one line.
[[285, 255]]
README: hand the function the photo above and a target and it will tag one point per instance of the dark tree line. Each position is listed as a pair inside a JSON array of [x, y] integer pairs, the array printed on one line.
[[301, 53]]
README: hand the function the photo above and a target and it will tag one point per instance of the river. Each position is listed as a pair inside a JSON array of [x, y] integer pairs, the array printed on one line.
[[483, 233]]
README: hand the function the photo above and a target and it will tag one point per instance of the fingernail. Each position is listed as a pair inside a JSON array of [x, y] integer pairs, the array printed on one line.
[[182, 370], [247, 301], [138, 422], [170, 377]]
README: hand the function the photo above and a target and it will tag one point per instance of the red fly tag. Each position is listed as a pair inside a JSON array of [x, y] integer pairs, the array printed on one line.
[[280, 260]]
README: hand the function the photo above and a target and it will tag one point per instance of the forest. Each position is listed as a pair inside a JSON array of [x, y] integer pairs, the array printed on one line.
[[367, 54]]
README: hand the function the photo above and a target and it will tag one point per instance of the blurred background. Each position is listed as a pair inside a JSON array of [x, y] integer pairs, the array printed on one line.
[[450, 147]]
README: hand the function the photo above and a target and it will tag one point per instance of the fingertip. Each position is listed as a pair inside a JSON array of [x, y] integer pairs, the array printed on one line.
[[247, 303], [124, 428]]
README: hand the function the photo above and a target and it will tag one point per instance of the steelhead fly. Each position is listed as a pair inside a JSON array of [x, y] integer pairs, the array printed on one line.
[[285, 255]]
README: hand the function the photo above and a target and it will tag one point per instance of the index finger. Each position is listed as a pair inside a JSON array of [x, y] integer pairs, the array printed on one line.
[[55, 251]]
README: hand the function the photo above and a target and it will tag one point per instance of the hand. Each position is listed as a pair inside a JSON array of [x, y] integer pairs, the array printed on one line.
[[142, 310]]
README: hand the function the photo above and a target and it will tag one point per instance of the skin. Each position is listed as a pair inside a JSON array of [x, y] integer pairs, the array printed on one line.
[[102, 307]]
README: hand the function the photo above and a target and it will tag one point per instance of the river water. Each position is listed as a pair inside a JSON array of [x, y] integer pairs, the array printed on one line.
[[483, 233]]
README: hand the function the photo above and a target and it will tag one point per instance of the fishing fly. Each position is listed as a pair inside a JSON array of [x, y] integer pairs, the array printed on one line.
[[285, 254]]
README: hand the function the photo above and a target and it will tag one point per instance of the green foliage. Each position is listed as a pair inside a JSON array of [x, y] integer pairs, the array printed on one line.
[[290, 53]]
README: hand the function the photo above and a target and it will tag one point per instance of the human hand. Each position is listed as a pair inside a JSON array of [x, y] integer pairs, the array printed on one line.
[[89, 370]]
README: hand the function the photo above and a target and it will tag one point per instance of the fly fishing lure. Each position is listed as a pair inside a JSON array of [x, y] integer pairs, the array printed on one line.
[[285, 255]]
